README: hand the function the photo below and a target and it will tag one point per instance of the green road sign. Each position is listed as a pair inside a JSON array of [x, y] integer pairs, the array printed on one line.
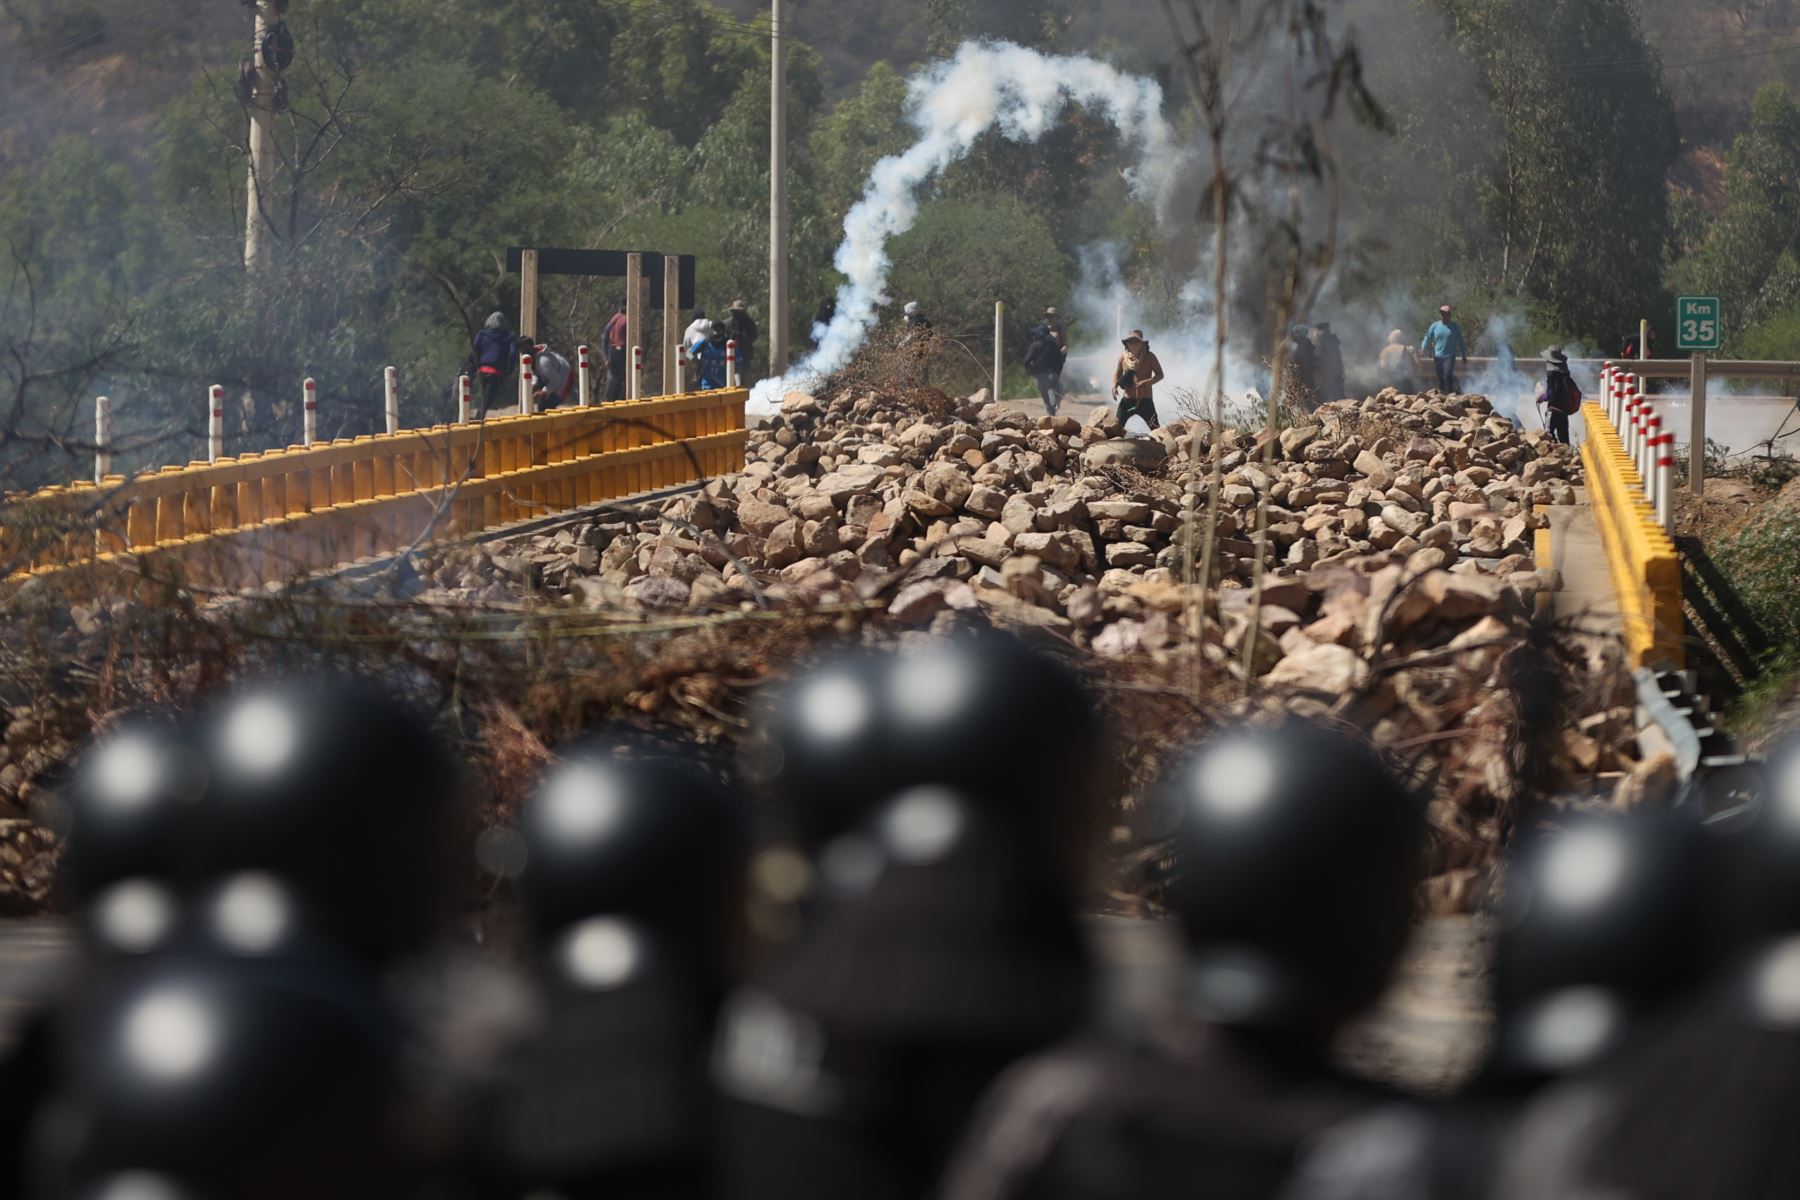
[[1697, 323]]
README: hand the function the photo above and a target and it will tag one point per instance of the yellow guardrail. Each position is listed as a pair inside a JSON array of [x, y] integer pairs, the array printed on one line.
[[262, 517], [1640, 557]]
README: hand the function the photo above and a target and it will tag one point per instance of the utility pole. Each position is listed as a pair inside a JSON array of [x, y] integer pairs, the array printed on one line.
[[778, 228], [258, 240]]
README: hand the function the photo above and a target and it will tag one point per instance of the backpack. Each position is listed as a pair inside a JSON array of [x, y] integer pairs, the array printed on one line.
[[1560, 393]]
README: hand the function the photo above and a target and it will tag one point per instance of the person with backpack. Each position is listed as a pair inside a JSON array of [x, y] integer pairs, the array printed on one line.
[[491, 359], [740, 327], [1044, 358], [1559, 399]]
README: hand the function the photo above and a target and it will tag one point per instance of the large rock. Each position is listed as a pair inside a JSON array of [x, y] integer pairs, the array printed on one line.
[[1143, 454], [1325, 670], [760, 517], [858, 479]]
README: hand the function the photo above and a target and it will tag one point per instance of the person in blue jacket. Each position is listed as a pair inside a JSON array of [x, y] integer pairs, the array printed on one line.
[[1444, 342], [711, 356]]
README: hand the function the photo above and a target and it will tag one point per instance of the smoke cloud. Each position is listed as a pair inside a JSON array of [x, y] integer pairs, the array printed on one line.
[[996, 86]]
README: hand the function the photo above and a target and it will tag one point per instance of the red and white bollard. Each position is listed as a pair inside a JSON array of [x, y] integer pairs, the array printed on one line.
[[1628, 427], [637, 373], [1615, 401], [102, 438], [309, 412], [1652, 449], [465, 400], [390, 387], [527, 385], [215, 423], [1606, 377], [1665, 481], [731, 364], [681, 370], [584, 375]]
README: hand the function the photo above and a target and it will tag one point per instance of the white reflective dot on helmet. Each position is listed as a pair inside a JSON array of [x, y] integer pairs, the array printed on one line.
[[834, 708], [252, 914], [602, 953], [170, 1034], [582, 803], [127, 771], [1583, 868], [261, 735], [1235, 779]]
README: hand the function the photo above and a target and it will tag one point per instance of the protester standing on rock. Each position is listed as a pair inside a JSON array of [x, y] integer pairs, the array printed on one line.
[[492, 359], [1559, 398], [1445, 343], [915, 346], [1301, 387], [1044, 358], [614, 341], [1135, 379], [1396, 370], [741, 328], [1330, 359]]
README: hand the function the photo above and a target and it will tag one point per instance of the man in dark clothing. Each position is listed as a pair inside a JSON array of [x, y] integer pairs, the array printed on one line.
[[1044, 358], [1560, 399], [822, 318], [740, 328], [613, 339], [1329, 360], [1298, 854], [492, 359], [1301, 389]]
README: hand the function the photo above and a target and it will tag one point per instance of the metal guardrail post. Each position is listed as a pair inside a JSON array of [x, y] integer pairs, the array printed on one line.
[[390, 387], [584, 379], [102, 438], [215, 423], [731, 364], [309, 413]]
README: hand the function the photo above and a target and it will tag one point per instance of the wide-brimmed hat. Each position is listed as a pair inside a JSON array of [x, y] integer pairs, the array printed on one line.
[[1050, 312], [738, 306], [1136, 335], [1555, 357]]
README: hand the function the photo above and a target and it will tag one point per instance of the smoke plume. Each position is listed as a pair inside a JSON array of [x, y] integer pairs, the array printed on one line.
[[987, 86]]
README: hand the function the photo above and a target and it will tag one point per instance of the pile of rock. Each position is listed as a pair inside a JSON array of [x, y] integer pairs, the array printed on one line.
[[1050, 522]]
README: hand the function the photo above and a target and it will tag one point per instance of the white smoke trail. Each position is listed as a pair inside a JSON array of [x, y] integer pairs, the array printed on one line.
[[987, 86]]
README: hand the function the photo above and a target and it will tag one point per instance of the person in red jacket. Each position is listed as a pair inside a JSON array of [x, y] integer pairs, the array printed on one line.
[[614, 341]]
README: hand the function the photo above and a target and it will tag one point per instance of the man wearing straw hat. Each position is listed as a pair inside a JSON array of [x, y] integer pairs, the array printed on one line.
[[1135, 380]]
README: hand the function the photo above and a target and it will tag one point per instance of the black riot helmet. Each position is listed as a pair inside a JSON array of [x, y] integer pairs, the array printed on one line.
[[1298, 855], [271, 1081], [624, 831], [1601, 922], [347, 796], [1009, 728], [1763, 854], [129, 810]]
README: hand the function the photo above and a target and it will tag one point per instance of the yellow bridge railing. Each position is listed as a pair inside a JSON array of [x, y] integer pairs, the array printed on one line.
[[262, 517], [1640, 557]]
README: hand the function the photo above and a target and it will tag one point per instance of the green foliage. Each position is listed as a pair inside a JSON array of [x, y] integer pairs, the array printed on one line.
[[1763, 564], [1038, 23], [1749, 257], [961, 257]]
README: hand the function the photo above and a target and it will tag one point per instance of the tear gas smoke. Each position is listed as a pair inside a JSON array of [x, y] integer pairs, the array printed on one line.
[[987, 86]]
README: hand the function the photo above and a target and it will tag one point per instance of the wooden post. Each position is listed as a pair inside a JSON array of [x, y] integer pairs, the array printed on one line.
[[528, 293], [671, 321], [1697, 426], [999, 346], [634, 311]]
